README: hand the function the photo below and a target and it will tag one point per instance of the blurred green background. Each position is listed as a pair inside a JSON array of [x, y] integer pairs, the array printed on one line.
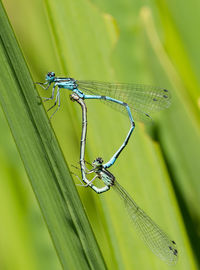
[[152, 42]]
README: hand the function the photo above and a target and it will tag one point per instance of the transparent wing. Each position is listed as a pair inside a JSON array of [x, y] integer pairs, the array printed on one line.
[[143, 99], [153, 236]]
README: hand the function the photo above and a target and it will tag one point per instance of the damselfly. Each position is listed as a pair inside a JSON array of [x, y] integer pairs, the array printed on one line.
[[154, 237], [142, 99]]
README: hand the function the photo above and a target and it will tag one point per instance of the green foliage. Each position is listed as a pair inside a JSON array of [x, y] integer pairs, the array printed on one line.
[[125, 41]]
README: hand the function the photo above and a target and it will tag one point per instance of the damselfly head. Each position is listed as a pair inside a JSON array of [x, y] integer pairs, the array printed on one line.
[[97, 162], [50, 76]]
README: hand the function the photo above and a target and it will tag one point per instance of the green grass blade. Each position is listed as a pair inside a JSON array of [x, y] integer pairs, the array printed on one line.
[[43, 159]]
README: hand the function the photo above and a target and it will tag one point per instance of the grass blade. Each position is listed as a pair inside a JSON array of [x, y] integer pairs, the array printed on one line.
[[43, 159]]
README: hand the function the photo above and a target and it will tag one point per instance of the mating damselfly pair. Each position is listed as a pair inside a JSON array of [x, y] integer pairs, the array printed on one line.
[[142, 99]]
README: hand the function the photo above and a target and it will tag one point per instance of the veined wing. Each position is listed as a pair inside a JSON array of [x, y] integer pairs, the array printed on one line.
[[143, 99], [157, 240]]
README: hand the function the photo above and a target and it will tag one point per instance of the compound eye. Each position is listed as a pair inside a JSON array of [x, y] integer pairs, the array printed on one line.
[[51, 74], [100, 160]]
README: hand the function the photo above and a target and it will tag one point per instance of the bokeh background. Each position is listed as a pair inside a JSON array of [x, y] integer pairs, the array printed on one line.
[[152, 42]]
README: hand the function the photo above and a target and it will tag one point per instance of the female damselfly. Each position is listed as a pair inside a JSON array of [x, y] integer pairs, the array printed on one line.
[[153, 236]]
